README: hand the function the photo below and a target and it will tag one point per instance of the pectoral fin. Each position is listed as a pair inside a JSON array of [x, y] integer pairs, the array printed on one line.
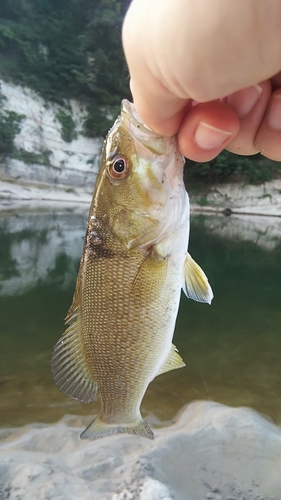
[[172, 362], [196, 285], [151, 276]]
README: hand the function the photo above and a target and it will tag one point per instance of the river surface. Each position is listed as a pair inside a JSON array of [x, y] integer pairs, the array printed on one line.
[[232, 349]]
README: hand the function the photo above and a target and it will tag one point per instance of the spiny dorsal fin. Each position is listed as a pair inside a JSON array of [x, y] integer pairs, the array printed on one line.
[[68, 362], [196, 285], [172, 362]]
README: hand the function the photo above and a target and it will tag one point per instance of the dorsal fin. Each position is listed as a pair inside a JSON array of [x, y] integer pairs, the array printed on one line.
[[68, 361], [196, 285], [172, 362]]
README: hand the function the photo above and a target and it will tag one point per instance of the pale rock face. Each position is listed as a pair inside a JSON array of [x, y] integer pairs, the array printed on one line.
[[263, 199], [71, 164]]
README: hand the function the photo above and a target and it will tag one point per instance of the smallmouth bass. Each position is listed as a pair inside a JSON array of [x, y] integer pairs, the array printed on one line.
[[133, 266]]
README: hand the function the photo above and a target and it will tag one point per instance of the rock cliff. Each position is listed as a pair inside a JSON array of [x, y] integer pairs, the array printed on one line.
[[45, 157], [54, 161], [263, 199]]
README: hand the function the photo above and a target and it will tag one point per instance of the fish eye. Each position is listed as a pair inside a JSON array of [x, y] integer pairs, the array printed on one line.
[[118, 168]]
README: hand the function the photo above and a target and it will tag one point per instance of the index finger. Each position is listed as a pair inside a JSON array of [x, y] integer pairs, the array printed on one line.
[[158, 109]]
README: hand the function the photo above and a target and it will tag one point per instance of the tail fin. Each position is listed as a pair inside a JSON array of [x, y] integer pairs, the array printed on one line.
[[98, 429]]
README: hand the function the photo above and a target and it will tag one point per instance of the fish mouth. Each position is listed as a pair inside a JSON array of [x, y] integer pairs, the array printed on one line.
[[129, 110], [157, 144], [160, 151]]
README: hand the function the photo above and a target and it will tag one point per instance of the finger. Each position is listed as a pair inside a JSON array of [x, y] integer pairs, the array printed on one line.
[[268, 138], [276, 81], [158, 108], [206, 130], [249, 105]]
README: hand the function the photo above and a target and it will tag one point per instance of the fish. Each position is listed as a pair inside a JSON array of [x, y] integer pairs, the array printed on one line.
[[134, 264]]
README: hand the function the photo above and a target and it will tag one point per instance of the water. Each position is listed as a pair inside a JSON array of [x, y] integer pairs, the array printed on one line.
[[232, 349]]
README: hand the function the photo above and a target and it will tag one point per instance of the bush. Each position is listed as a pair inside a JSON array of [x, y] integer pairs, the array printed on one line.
[[42, 158], [99, 121], [230, 167], [9, 128], [68, 132]]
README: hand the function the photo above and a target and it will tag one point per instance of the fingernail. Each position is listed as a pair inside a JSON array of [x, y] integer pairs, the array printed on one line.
[[243, 101], [208, 137], [274, 115]]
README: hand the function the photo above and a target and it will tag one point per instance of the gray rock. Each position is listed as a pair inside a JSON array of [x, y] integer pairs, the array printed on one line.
[[238, 198], [211, 452]]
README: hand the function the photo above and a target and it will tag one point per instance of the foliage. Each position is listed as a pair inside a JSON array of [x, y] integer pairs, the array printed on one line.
[[42, 158], [68, 132], [66, 49], [229, 167], [9, 128], [99, 120]]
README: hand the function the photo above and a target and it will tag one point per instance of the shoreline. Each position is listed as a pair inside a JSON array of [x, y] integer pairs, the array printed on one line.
[[226, 199], [37, 195]]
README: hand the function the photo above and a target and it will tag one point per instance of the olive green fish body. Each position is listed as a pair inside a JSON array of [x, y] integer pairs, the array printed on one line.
[[124, 343], [124, 309]]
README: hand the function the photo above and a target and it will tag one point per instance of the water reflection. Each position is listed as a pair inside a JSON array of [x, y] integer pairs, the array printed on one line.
[[232, 349], [37, 248]]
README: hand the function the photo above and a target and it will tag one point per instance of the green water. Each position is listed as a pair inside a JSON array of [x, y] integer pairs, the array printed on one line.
[[232, 349]]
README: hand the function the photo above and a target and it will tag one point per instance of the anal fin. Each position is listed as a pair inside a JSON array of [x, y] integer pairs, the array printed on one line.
[[172, 362]]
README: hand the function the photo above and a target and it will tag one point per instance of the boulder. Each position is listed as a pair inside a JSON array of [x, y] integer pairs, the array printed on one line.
[[211, 452]]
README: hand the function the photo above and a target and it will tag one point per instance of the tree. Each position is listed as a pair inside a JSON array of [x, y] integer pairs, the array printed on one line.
[[66, 49]]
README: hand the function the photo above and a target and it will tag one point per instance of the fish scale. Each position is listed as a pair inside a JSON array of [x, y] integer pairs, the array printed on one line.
[[127, 331]]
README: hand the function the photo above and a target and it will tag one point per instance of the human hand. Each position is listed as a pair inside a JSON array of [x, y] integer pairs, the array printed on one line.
[[224, 55]]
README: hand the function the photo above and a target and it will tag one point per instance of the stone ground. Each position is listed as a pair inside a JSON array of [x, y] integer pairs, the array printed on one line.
[[211, 452]]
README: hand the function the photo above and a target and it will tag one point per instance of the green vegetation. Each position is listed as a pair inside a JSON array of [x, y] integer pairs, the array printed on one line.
[[9, 128], [230, 167], [67, 49], [68, 132], [29, 157]]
